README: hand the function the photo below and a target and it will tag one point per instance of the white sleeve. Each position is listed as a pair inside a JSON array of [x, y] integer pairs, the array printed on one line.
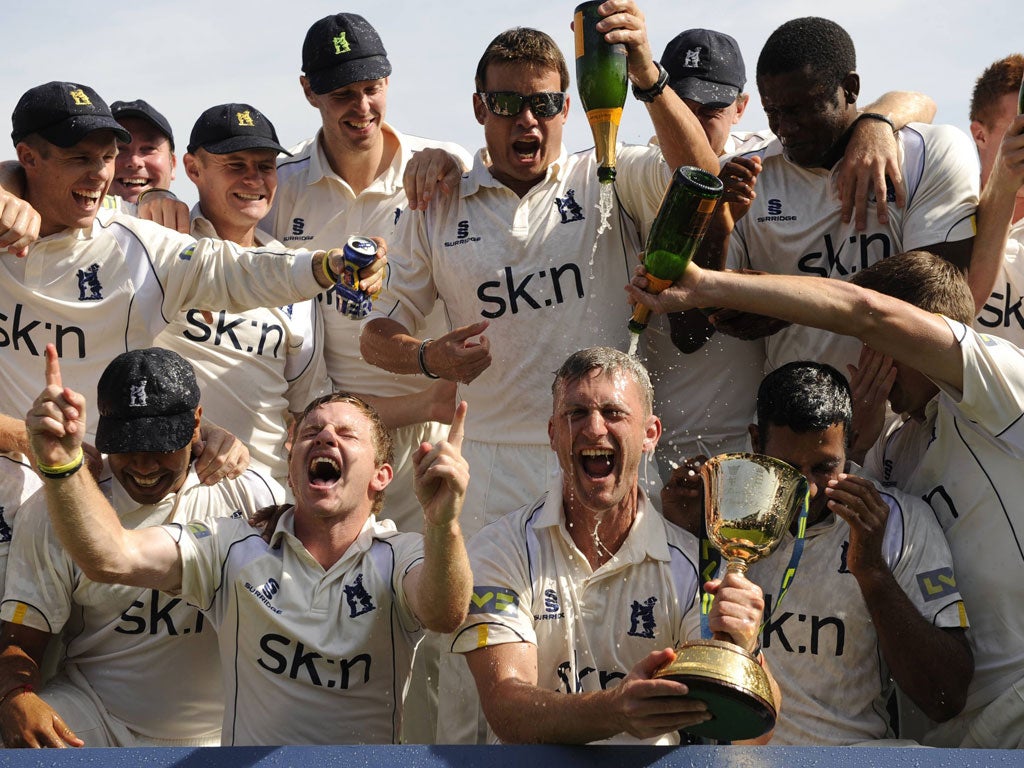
[[942, 206], [409, 289]]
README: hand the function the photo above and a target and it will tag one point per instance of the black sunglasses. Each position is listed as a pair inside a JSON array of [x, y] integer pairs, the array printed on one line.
[[510, 103]]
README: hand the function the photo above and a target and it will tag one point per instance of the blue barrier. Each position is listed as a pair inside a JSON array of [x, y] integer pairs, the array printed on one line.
[[515, 757]]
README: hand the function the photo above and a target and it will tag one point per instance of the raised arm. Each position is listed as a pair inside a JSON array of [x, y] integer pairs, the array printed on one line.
[[439, 588], [86, 524], [909, 335], [932, 665], [995, 213], [680, 135]]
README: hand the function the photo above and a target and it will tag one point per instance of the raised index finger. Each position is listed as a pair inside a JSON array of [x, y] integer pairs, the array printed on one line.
[[53, 367], [456, 432]]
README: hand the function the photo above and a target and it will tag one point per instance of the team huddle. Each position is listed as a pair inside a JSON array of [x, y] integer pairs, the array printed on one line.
[[305, 520]]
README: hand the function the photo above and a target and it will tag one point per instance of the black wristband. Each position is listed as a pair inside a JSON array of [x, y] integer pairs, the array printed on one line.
[[875, 116], [422, 355], [648, 95]]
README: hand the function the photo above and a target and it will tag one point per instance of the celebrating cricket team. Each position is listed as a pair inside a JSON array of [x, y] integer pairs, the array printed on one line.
[[352, 452]]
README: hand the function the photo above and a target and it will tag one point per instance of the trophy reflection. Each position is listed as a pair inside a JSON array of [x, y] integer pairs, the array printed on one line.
[[749, 502]]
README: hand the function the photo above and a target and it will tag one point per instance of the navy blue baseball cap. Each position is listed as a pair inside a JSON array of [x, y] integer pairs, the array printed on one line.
[[340, 50], [144, 110], [705, 66], [232, 128], [147, 399], [63, 114]]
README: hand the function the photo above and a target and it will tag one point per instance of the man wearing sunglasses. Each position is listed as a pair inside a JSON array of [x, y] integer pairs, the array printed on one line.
[[525, 271], [516, 255]]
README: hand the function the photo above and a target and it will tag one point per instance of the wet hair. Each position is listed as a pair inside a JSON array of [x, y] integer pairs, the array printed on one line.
[[804, 396], [924, 280], [998, 79], [522, 45], [818, 46], [607, 361], [383, 447]]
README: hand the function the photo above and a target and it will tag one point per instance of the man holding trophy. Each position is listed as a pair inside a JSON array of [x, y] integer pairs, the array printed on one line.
[[580, 596], [874, 598]]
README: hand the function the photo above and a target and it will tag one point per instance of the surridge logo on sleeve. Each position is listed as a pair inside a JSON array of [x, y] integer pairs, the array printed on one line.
[[358, 599], [568, 208], [641, 618], [89, 287], [5, 529]]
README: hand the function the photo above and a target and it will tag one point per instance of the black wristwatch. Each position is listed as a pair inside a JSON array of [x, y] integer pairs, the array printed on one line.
[[650, 94]]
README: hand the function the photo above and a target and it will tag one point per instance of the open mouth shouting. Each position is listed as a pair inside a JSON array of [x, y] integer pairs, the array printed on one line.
[[527, 149], [597, 463], [323, 472]]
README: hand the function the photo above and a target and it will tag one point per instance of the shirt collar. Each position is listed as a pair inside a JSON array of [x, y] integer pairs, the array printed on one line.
[[372, 529], [387, 183], [647, 537], [203, 227], [480, 174]]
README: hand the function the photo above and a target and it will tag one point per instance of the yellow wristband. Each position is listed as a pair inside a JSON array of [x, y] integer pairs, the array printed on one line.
[[60, 471], [329, 273]]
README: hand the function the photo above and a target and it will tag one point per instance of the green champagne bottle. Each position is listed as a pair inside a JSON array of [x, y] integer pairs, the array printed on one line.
[[601, 82], [677, 231]]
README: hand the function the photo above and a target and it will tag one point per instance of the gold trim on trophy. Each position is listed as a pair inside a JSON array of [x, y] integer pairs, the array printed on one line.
[[750, 501]]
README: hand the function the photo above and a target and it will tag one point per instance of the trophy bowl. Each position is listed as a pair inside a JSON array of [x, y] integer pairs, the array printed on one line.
[[749, 502]]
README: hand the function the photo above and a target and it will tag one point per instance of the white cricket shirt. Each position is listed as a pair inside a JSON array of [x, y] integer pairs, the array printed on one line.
[[150, 658], [821, 643], [315, 208], [253, 367], [965, 460], [1002, 314], [535, 268], [98, 292], [310, 656], [533, 585], [794, 225]]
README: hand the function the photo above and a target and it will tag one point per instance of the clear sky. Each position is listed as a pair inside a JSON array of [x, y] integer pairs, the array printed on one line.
[[187, 55]]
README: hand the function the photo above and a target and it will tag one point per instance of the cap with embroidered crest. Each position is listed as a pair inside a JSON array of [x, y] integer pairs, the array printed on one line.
[[63, 114], [340, 50], [147, 400], [145, 111], [232, 128], [705, 66]]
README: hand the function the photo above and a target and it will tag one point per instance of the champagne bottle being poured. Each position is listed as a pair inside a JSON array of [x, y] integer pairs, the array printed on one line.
[[601, 82]]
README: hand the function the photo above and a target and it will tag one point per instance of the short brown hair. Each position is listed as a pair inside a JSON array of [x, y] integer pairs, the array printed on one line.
[[383, 446], [924, 280], [526, 46], [1000, 78], [606, 360]]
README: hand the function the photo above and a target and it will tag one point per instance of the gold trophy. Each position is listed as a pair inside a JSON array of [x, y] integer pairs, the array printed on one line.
[[749, 502]]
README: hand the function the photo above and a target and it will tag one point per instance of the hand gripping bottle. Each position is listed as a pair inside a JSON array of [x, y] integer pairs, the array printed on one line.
[[677, 231], [601, 82]]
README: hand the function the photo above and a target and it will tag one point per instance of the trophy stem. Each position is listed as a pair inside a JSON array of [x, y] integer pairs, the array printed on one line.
[[736, 565]]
